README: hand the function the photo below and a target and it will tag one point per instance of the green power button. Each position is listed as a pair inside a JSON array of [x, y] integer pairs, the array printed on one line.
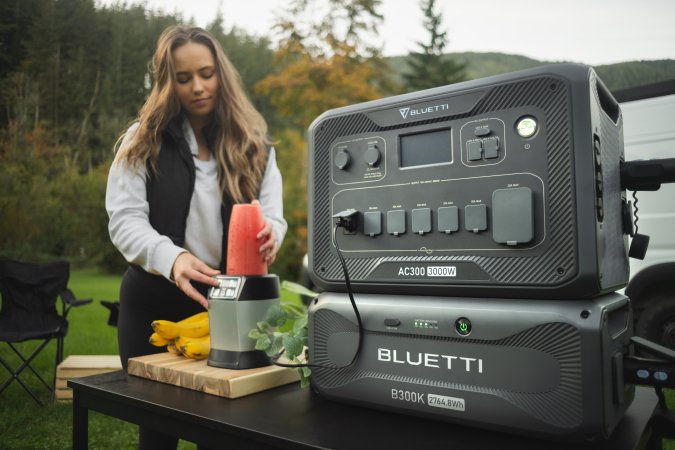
[[463, 326], [526, 127]]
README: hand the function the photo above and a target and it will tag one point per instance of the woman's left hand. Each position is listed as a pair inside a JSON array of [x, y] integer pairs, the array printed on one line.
[[268, 248]]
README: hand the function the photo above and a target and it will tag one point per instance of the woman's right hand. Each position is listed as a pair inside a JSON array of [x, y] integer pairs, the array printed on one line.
[[188, 267]]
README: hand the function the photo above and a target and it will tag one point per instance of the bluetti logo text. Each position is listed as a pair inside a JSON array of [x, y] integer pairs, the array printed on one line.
[[409, 112], [438, 361]]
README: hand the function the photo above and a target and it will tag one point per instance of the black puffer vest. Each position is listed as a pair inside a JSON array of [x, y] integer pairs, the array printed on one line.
[[170, 188]]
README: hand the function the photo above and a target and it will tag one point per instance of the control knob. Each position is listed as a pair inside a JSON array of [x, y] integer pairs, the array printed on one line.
[[342, 159]]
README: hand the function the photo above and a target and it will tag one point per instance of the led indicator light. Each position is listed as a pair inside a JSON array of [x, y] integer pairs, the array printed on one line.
[[526, 127], [661, 376], [463, 326]]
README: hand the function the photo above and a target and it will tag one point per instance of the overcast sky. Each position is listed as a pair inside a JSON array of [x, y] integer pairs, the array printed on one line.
[[587, 31]]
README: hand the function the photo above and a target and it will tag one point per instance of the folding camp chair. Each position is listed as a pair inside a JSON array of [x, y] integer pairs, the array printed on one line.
[[114, 308], [29, 292]]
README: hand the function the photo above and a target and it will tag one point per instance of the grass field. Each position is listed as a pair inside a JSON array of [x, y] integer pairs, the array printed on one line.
[[25, 425]]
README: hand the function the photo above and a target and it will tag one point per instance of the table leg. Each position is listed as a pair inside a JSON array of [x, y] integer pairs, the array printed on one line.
[[80, 424]]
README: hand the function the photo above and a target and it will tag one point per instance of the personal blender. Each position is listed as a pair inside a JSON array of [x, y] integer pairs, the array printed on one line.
[[243, 296]]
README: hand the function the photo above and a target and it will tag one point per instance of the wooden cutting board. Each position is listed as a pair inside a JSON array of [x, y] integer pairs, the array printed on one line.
[[196, 374]]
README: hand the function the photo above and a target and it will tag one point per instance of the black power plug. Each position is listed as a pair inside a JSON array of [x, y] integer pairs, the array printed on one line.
[[347, 220]]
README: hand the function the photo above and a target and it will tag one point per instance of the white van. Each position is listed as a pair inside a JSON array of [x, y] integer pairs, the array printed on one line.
[[649, 133]]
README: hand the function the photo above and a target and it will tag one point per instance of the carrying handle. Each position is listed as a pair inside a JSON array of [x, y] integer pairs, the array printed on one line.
[[607, 101]]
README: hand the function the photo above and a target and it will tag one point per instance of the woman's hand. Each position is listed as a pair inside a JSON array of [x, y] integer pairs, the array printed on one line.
[[188, 267], [268, 247]]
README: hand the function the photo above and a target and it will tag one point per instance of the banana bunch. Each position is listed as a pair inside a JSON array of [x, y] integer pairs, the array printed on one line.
[[189, 337]]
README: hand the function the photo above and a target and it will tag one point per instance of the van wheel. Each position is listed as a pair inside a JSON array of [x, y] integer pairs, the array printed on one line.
[[657, 322]]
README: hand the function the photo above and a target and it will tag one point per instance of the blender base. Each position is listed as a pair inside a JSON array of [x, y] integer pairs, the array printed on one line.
[[227, 359]]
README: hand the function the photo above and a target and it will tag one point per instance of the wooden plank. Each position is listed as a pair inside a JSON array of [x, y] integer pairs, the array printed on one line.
[[63, 394], [77, 373], [76, 366], [196, 374], [91, 361]]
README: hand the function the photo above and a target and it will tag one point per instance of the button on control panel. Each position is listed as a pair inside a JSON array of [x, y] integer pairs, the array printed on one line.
[[227, 288], [463, 326], [392, 322], [482, 142]]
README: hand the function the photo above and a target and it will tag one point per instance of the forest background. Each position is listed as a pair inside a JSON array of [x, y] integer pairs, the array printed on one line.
[[73, 76]]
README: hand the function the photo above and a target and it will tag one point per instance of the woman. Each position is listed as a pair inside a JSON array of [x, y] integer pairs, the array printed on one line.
[[198, 147]]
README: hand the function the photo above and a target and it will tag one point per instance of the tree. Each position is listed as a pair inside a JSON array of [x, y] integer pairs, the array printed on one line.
[[327, 62], [430, 67], [72, 77], [328, 57]]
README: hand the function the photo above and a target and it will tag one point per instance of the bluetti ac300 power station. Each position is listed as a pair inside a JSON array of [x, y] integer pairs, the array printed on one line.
[[503, 187], [483, 227]]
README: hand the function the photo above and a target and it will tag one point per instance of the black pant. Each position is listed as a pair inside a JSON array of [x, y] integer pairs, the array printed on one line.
[[144, 298]]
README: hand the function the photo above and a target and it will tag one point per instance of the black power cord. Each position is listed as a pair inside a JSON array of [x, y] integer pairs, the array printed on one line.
[[635, 212], [639, 242], [345, 220]]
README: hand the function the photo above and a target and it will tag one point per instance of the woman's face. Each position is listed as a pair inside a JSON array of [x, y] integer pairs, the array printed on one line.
[[196, 82]]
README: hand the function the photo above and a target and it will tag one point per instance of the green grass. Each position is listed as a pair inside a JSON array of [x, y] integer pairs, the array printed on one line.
[[24, 424]]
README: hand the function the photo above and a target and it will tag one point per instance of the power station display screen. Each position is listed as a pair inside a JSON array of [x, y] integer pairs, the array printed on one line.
[[424, 149]]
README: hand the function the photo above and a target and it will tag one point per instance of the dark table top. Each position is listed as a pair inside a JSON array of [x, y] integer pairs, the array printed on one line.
[[291, 417]]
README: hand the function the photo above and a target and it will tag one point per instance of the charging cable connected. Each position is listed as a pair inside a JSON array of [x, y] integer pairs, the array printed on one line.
[[345, 219], [348, 221]]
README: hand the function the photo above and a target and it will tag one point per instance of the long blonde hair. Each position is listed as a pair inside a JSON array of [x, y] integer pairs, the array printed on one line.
[[241, 141]]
